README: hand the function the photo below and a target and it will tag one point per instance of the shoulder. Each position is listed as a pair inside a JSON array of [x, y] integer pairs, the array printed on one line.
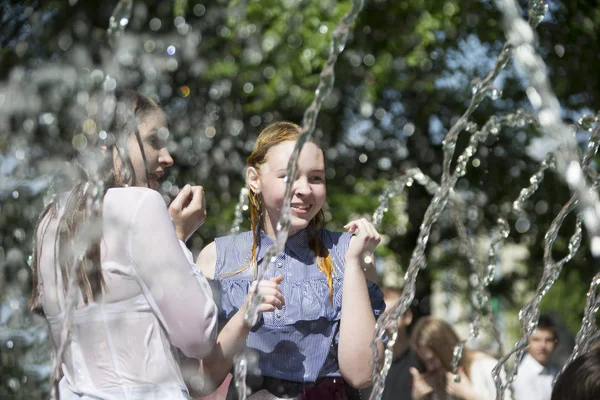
[[130, 199], [231, 252], [237, 239], [240, 242], [207, 260], [335, 239], [482, 364], [527, 368]]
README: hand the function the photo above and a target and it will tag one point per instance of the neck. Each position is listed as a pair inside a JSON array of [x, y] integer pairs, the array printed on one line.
[[270, 228]]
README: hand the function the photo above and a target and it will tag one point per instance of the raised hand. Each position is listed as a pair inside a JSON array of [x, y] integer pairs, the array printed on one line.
[[188, 211], [269, 290], [463, 389], [365, 240], [421, 385]]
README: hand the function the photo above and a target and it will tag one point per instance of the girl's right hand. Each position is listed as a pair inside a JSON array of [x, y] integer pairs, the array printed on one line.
[[269, 289], [188, 211], [421, 387]]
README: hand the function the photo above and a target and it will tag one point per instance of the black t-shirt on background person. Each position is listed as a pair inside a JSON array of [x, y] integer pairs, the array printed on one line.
[[398, 384]]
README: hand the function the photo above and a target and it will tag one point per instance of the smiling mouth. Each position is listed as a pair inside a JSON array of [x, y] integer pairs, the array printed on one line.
[[301, 208]]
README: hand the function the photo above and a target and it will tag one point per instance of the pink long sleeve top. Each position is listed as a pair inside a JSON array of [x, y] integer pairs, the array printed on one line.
[[123, 347]]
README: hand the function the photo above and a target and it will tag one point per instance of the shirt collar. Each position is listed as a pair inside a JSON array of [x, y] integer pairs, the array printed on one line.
[[533, 365], [297, 245]]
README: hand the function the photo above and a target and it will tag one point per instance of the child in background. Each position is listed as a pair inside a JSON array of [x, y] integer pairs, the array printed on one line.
[[434, 341]]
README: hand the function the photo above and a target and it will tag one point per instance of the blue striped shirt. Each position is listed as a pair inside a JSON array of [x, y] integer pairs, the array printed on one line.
[[299, 342]]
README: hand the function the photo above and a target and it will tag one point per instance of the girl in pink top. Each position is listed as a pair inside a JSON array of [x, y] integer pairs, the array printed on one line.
[[112, 238]]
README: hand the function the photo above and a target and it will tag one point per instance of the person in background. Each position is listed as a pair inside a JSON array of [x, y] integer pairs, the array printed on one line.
[[399, 381], [434, 341], [109, 239], [535, 375], [581, 379]]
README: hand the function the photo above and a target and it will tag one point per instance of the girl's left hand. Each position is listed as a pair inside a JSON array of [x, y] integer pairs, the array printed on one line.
[[364, 242], [463, 389]]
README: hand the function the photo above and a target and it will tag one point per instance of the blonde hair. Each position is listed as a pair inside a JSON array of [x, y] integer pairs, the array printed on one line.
[[271, 136], [438, 336]]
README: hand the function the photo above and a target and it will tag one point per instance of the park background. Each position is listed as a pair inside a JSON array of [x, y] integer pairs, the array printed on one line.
[[223, 70]]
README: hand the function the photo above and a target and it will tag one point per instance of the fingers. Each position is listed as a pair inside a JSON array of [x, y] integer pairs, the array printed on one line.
[[197, 194], [363, 226], [351, 226], [273, 300], [181, 198], [270, 293], [198, 202], [449, 377], [365, 240], [414, 373]]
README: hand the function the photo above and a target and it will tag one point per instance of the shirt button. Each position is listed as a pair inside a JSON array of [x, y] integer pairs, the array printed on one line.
[[278, 316], [279, 265]]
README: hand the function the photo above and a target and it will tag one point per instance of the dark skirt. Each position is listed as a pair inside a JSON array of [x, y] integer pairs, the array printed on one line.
[[267, 388]]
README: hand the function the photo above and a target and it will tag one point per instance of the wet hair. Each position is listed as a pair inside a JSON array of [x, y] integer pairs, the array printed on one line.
[[546, 323], [438, 336], [580, 380], [271, 136], [116, 117]]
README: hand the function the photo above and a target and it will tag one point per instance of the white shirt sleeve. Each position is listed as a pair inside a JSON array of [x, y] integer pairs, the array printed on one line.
[[481, 377], [181, 298]]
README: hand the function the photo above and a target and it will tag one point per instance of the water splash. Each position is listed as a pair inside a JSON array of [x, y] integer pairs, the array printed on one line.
[[485, 275], [540, 93], [326, 81], [396, 187], [482, 296], [442, 194], [119, 20], [529, 314], [94, 193], [588, 333], [535, 180], [240, 207], [65, 330], [521, 35]]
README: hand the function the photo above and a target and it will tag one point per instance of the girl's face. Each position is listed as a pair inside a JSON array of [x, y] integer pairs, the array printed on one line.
[[430, 359], [308, 191], [154, 134]]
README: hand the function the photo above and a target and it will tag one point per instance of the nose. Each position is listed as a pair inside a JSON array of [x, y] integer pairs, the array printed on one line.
[[165, 158], [301, 186]]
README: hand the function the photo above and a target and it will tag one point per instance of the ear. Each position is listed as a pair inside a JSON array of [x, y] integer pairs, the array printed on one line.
[[253, 179]]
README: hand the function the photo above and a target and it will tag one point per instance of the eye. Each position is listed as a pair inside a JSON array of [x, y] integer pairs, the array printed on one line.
[[317, 178], [156, 143]]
